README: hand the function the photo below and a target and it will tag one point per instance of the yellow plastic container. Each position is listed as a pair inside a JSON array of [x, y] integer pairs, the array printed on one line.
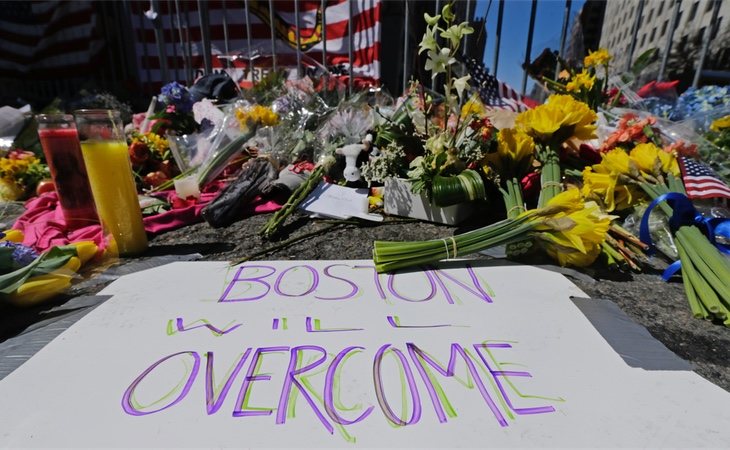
[[112, 182]]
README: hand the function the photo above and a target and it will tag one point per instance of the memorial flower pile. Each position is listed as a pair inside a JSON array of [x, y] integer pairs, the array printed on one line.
[[563, 185]]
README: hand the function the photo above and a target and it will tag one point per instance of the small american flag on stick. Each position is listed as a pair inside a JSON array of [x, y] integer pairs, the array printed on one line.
[[493, 92], [700, 181]]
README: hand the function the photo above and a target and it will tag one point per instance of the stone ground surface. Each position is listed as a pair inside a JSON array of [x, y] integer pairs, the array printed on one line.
[[659, 306]]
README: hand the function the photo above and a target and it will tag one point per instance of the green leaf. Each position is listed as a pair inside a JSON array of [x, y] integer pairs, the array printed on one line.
[[45, 263], [644, 60]]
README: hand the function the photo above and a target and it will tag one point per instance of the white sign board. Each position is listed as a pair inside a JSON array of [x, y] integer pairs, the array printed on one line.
[[329, 354]]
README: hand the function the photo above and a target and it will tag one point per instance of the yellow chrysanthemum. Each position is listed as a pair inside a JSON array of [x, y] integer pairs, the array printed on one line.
[[600, 57], [514, 155], [582, 81], [559, 119], [720, 124]]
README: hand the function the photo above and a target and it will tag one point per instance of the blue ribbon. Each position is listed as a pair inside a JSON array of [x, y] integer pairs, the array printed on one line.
[[685, 214]]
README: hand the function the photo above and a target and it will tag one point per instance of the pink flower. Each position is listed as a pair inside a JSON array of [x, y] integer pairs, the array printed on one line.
[[137, 120], [170, 109]]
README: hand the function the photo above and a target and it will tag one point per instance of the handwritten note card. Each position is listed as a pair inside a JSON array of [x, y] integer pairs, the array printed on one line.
[[331, 354]]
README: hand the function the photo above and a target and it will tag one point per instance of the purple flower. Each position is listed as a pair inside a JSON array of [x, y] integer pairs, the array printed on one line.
[[22, 254], [177, 95]]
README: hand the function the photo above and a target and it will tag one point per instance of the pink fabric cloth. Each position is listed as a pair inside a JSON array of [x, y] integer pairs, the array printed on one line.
[[44, 226]]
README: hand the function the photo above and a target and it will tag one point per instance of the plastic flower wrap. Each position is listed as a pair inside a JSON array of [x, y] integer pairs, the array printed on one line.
[[239, 125]]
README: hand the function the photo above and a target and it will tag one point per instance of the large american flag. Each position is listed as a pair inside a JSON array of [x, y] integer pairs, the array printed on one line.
[[700, 181], [42, 37], [182, 17], [493, 92]]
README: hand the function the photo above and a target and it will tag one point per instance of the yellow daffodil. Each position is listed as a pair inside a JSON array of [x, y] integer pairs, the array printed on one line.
[[600, 57], [559, 119], [616, 161], [582, 82], [565, 202], [604, 186], [257, 114], [577, 236], [473, 107], [651, 159], [514, 155], [720, 124]]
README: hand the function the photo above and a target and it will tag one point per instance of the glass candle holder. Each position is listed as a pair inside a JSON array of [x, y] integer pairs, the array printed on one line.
[[105, 153], [60, 141]]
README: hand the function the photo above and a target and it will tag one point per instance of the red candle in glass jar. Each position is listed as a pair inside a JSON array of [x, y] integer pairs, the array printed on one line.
[[60, 142]]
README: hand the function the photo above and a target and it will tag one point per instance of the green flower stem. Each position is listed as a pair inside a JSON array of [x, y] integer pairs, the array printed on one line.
[[704, 269], [616, 256], [692, 282], [390, 256], [273, 226], [549, 175]]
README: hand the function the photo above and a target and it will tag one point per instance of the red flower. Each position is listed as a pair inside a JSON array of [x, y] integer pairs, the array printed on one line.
[[154, 179], [530, 185], [138, 153]]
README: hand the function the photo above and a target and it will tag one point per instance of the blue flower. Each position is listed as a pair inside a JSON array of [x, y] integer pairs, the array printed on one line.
[[22, 254], [176, 94]]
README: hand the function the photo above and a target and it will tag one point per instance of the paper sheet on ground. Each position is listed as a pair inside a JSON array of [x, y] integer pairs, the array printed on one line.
[[339, 202], [326, 354]]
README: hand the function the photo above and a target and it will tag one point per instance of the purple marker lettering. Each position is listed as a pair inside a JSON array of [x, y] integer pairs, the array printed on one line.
[[449, 372], [418, 356], [376, 279], [213, 404], [499, 373], [380, 391], [249, 379], [352, 293], [129, 393], [391, 288], [291, 380], [478, 291], [258, 280], [312, 288], [213, 329], [329, 406]]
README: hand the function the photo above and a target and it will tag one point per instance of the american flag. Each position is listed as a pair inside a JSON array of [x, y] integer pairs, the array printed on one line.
[[494, 92], [43, 37], [700, 181], [228, 33]]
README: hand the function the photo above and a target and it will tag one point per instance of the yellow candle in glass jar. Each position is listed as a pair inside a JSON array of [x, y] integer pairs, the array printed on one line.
[[115, 195]]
